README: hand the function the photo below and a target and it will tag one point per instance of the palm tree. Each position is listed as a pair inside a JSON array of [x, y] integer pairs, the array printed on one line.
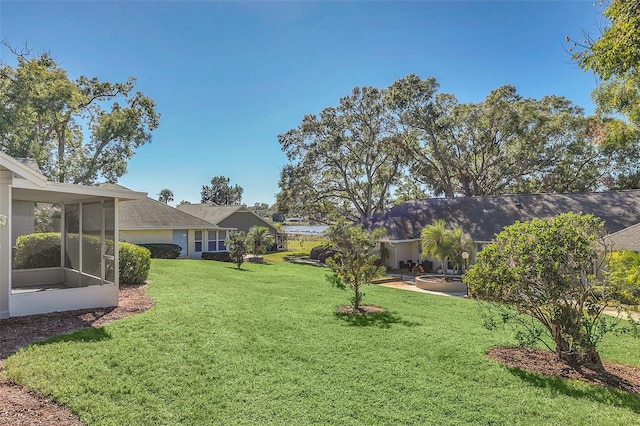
[[259, 239], [434, 240], [165, 196]]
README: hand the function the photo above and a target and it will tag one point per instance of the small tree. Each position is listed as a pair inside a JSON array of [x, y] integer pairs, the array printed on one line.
[[443, 243], [236, 244], [355, 264], [259, 239], [433, 239], [165, 196], [549, 269]]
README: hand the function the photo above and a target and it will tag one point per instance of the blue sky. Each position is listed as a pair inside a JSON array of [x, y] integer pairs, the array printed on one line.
[[228, 77]]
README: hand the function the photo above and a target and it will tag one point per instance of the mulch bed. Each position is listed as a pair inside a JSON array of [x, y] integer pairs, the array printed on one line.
[[20, 407], [362, 310], [619, 376]]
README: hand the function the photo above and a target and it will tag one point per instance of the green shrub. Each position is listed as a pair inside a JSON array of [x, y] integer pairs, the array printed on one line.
[[135, 262], [42, 250], [163, 250], [222, 257], [315, 252], [323, 256], [39, 250]]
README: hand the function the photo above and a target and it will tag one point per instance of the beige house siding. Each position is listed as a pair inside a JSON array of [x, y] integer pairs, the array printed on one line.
[[147, 236]]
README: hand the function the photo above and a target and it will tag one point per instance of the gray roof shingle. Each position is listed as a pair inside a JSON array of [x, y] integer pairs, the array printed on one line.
[[482, 217], [626, 239]]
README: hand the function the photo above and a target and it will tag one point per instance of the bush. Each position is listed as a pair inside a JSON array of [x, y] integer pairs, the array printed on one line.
[[322, 257], [40, 250], [315, 252], [221, 257], [135, 262], [163, 250]]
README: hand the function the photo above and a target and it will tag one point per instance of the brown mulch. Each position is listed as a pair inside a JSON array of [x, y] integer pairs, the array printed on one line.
[[618, 376], [21, 407], [362, 310]]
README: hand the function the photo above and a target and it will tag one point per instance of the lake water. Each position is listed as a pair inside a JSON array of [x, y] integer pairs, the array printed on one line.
[[305, 229]]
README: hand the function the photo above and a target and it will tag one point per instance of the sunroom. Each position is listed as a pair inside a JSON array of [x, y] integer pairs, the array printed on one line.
[[58, 247]]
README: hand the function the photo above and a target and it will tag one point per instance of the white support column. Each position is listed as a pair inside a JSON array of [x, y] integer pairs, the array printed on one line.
[[6, 180]]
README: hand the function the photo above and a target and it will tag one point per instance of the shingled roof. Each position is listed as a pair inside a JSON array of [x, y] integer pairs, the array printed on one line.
[[627, 239], [211, 212], [152, 214], [482, 217]]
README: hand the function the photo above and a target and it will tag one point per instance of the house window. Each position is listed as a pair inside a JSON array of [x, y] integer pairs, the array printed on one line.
[[222, 235], [212, 243], [198, 241], [215, 241]]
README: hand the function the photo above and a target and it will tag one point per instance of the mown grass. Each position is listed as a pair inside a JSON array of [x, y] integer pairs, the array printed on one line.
[[296, 248], [263, 345]]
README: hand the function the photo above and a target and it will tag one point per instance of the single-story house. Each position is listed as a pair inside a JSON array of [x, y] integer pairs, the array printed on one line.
[[82, 267], [150, 221], [237, 217], [626, 239], [481, 218]]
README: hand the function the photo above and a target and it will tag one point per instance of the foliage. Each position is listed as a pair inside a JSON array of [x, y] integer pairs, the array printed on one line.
[[550, 269], [624, 273], [315, 251], [43, 250], [503, 144], [44, 115], [343, 160], [39, 250], [163, 250], [165, 196], [355, 263], [259, 239], [216, 255], [221, 193], [326, 254], [443, 243], [135, 262], [411, 140], [213, 353], [615, 59], [237, 247]]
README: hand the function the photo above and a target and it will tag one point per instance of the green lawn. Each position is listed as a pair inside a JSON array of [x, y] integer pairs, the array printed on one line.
[[263, 346]]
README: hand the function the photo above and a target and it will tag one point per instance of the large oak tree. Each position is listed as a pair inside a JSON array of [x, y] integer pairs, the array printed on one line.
[[79, 130], [345, 159]]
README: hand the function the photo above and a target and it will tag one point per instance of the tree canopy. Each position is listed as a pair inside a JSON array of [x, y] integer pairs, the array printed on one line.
[[615, 58], [165, 196], [410, 140], [344, 160], [46, 116], [221, 192]]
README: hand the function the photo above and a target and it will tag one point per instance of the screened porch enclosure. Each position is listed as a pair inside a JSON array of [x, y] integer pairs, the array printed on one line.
[[63, 244]]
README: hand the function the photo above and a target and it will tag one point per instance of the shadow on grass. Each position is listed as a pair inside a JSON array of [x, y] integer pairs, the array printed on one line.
[[379, 319], [85, 335], [241, 269], [600, 394]]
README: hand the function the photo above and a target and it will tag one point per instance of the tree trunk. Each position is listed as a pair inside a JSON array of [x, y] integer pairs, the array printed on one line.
[[581, 354]]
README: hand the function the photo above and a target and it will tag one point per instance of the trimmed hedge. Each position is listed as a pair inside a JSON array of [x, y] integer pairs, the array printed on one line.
[[135, 262], [163, 250], [221, 257], [322, 257], [315, 252], [42, 250]]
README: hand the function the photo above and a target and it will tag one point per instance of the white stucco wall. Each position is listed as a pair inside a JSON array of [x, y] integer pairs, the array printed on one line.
[[41, 302]]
